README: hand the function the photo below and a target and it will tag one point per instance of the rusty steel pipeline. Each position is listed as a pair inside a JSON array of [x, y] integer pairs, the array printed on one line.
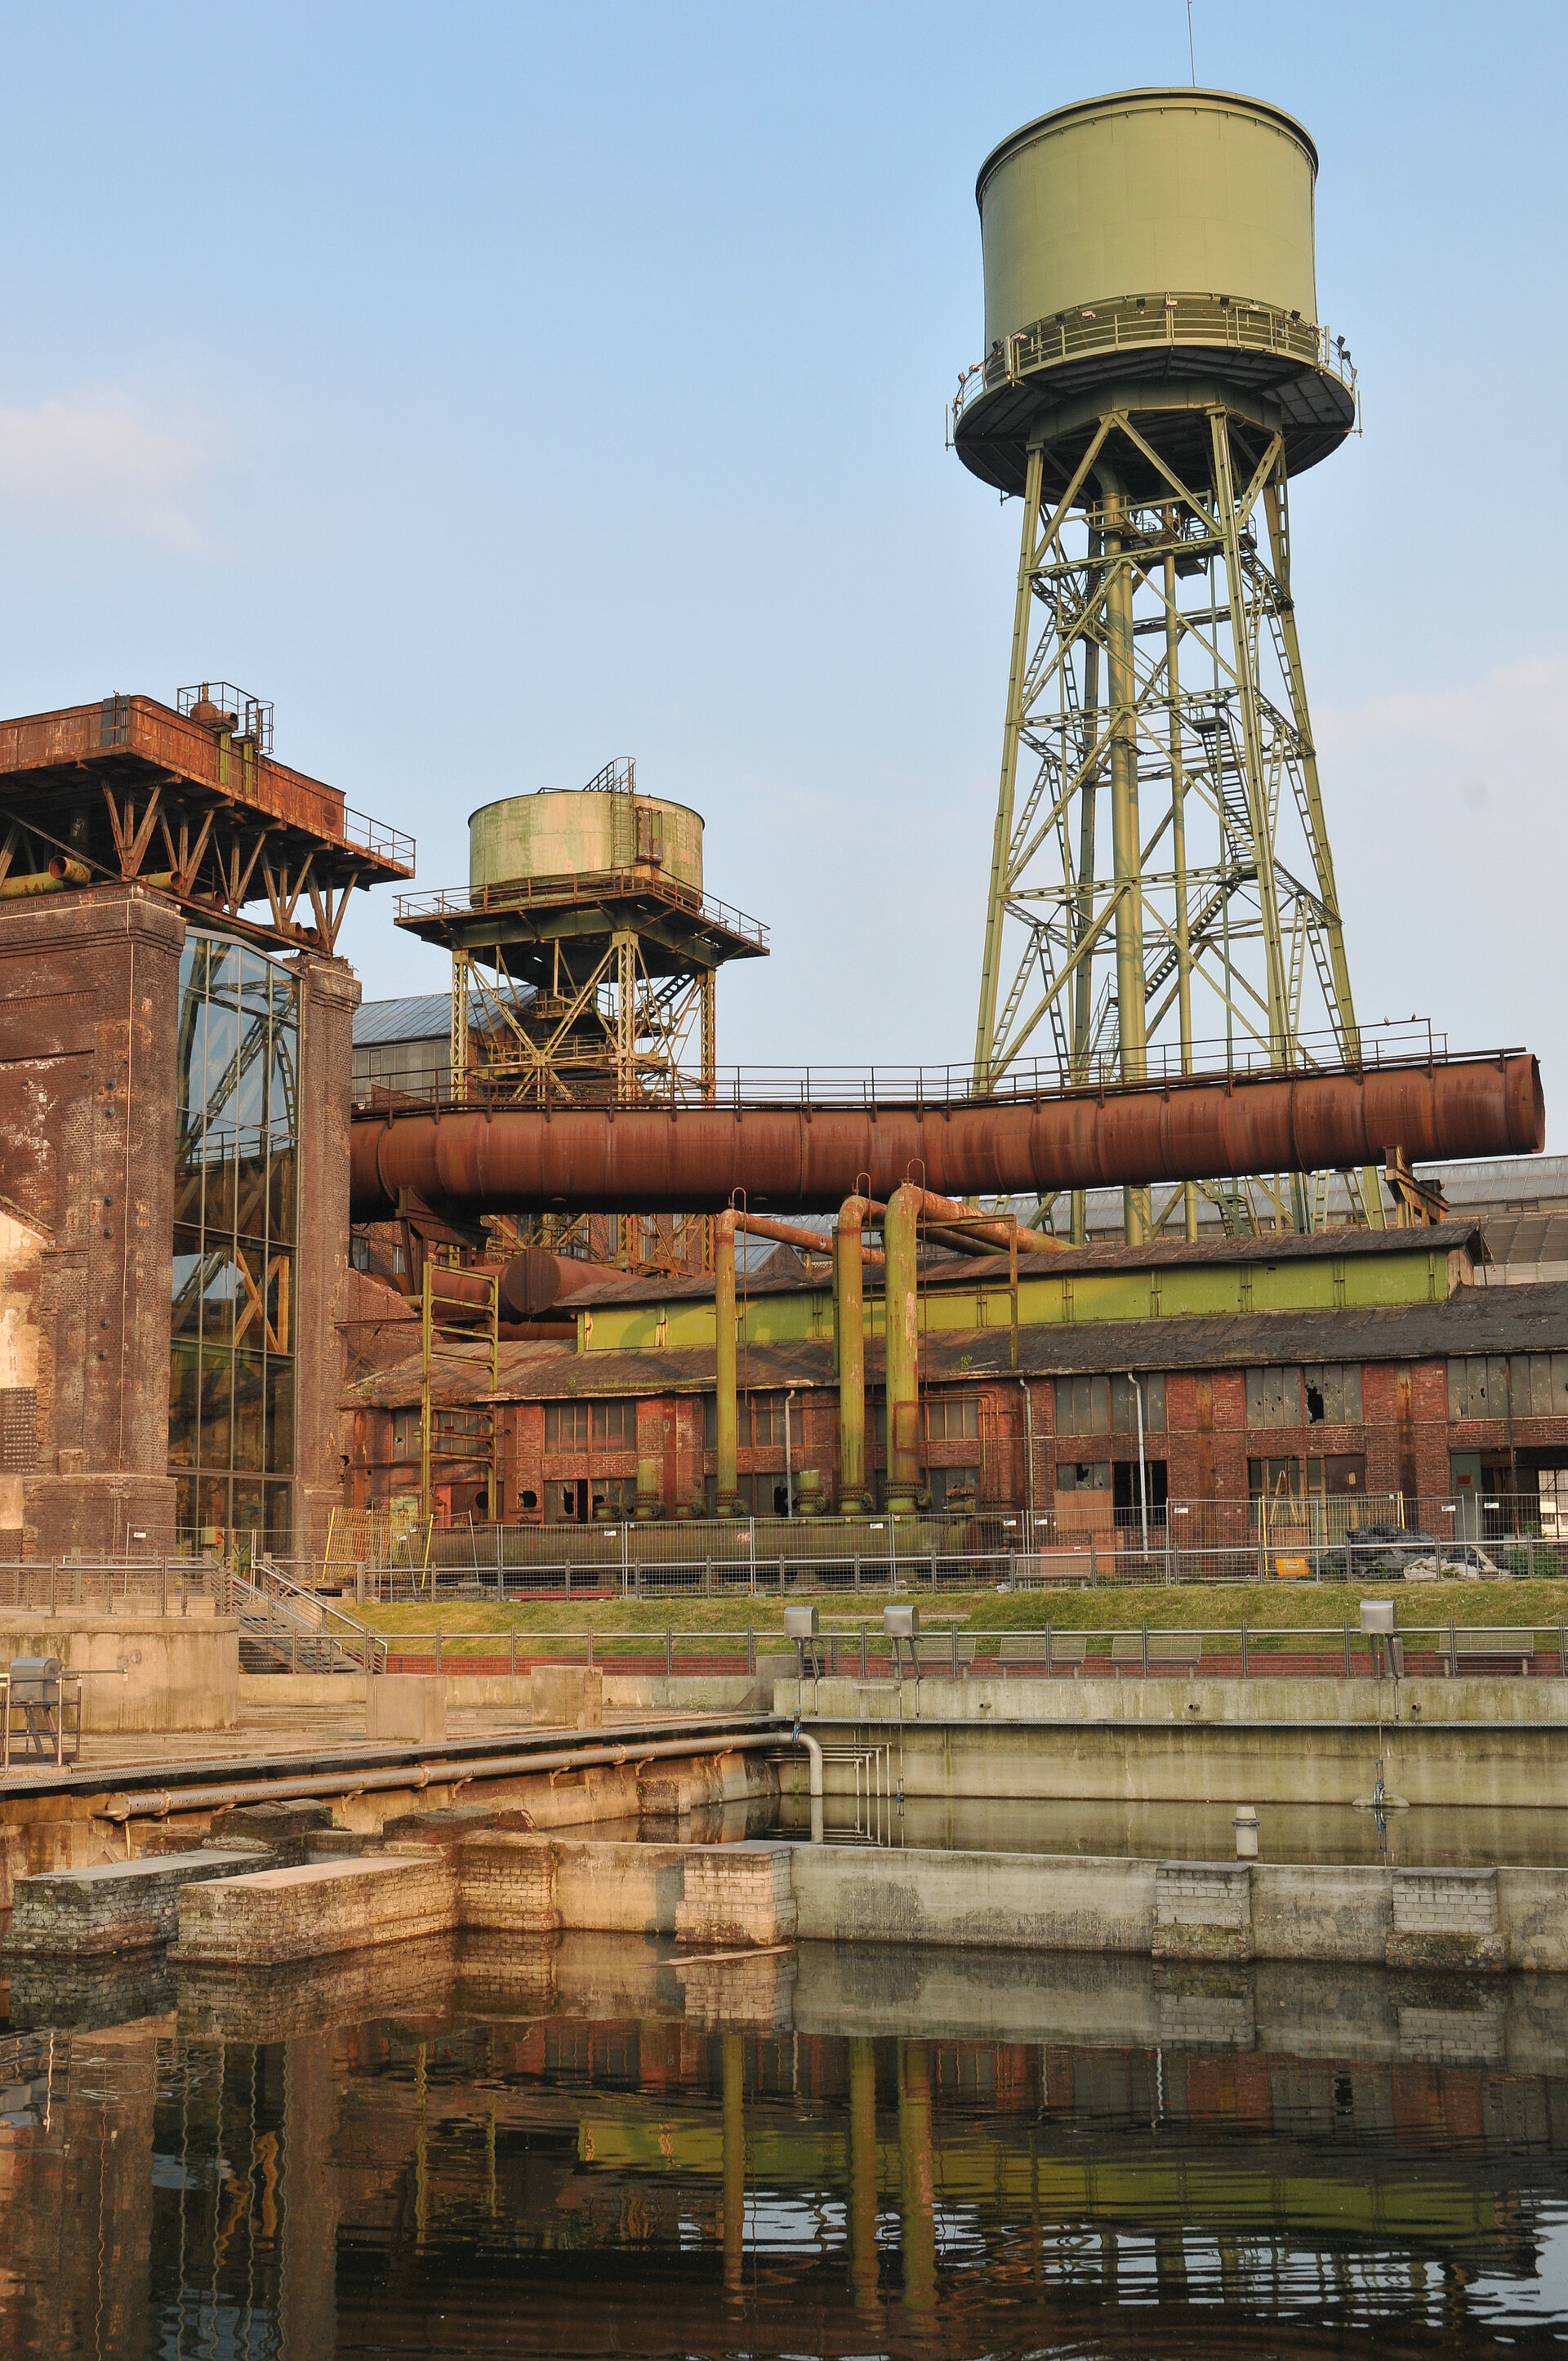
[[808, 1158]]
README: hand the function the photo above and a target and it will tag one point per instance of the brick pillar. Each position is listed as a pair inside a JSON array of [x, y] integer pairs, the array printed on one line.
[[89, 996], [329, 994]]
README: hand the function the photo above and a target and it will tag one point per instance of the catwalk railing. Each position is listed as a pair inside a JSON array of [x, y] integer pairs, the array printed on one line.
[[1200, 1541], [1026, 1079], [1052, 1651]]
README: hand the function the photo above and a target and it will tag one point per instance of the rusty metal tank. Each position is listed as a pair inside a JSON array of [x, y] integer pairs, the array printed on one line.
[[583, 832], [1153, 251]]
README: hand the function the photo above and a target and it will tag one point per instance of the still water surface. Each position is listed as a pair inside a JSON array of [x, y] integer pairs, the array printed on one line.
[[601, 2147]]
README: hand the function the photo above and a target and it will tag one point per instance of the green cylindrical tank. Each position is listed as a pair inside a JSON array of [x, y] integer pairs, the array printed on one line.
[[1156, 191], [1150, 252], [580, 832]]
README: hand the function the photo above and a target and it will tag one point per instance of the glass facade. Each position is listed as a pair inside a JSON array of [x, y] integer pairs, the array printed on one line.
[[231, 1379]]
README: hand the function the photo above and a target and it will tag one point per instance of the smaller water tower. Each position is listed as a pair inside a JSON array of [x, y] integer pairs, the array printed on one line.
[[584, 951]]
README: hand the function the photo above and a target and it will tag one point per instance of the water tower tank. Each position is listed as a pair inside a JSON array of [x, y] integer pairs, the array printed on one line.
[[1152, 252], [583, 832]]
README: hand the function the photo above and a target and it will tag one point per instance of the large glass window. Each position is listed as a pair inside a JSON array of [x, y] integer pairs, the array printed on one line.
[[231, 1383]]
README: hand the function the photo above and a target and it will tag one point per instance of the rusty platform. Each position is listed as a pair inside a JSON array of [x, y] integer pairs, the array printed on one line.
[[192, 804]]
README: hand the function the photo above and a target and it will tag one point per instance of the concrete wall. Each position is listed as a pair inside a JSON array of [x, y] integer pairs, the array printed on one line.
[[1477, 1921], [1168, 1741], [329, 994], [181, 1672], [88, 1002], [502, 1692]]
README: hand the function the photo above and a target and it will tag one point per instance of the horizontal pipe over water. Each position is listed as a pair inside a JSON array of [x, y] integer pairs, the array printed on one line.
[[694, 1159], [158, 1802]]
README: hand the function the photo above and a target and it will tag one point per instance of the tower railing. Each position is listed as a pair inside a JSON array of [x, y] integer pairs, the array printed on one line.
[[1139, 323]]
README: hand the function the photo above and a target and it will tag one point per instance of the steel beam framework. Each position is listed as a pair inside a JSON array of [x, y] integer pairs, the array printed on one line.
[[1155, 699]]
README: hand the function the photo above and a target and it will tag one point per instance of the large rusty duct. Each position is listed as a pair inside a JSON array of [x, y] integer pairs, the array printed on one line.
[[808, 1158]]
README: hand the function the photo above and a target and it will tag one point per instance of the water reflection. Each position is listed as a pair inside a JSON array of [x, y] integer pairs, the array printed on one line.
[[599, 2145]]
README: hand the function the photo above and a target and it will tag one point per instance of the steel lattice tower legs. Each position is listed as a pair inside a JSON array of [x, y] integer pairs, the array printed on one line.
[[1156, 683]]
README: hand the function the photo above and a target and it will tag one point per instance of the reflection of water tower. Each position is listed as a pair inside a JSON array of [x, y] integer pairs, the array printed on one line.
[[1155, 370]]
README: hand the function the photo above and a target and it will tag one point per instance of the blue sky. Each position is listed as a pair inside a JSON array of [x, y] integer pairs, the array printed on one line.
[[501, 389]]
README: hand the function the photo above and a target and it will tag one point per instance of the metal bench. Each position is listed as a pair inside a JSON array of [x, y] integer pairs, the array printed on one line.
[[1180, 1650], [944, 1651], [1044, 1650], [1485, 1647]]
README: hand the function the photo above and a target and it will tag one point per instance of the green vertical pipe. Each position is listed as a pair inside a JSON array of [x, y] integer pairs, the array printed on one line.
[[725, 1421], [849, 1338], [900, 1243], [864, 2261]]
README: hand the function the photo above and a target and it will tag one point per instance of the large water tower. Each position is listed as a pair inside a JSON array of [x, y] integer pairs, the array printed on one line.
[[1162, 893]]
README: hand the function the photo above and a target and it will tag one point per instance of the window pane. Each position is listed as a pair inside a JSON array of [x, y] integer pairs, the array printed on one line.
[[280, 1303], [1350, 1393], [182, 1406], [280, 1197], [212, 1506], [186, 1318], [185, 1504], [278, 1501], [248, 1517], [216, 1405], [247, 1410], [1255, 1396], [1154, 1402], [279, 1437]]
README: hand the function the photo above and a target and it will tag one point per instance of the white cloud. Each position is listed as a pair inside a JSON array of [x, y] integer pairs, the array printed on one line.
[[91, 464]]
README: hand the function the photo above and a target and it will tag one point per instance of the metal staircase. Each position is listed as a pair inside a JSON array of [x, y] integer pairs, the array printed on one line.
[[286, 1629]]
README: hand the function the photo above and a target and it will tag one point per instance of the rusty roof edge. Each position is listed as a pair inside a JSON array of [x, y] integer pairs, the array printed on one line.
[[1444, 1237], [1514, 1318]]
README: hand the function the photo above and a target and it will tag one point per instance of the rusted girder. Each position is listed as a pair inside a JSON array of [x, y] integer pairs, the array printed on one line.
[[807, 1159]]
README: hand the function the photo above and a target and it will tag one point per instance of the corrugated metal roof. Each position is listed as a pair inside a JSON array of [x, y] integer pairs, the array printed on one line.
[[1474, 1320], [422, 1016]]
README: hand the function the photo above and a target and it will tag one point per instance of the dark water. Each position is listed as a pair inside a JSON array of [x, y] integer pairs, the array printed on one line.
[[604, 2148]]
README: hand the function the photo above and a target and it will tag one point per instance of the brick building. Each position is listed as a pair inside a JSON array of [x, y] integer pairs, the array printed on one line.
[[1385, 1367]]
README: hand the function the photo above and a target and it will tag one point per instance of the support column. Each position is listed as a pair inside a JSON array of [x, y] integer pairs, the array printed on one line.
[[1178, 843], [850, 1354], [899, 1232], [329, 994], [725, 1417], [1126, 848], [1002, 841]]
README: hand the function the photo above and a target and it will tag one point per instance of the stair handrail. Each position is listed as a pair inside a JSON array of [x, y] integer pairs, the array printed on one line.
[[356, 1640]]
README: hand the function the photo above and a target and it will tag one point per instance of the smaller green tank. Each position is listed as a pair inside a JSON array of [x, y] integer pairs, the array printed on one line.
[[583, 832]]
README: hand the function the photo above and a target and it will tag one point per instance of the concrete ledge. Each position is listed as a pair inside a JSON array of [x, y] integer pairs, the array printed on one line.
[[114, 1907], [313, 1912], [1014, 1901], [1167, 1698]]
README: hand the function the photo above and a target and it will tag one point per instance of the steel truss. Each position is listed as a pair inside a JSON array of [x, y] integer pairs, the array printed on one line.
[[1155, 681]]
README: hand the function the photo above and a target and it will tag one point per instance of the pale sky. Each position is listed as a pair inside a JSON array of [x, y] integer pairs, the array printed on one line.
[[502, 389]]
